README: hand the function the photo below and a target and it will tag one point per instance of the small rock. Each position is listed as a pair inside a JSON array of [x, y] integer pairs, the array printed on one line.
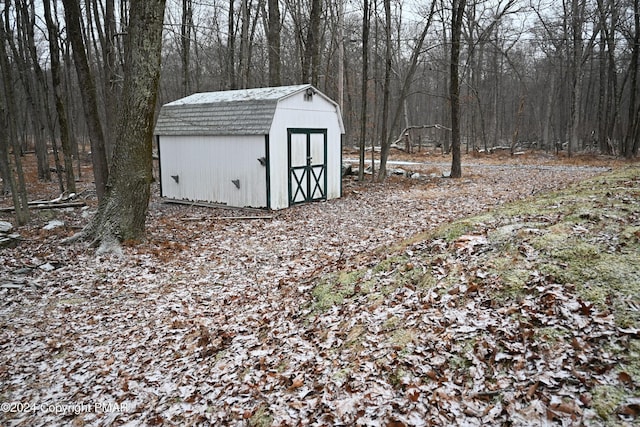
[[47, 267], [5, 227], [53, 224]]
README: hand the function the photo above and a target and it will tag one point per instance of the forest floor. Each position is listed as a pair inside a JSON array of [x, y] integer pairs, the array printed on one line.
[[510, 296]]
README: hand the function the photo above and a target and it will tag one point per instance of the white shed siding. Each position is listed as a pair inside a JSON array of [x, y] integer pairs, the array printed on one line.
[[296, 112], [207, 165]]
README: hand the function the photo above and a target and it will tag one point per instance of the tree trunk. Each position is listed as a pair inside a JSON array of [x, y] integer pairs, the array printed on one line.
[[54, 53], [89, 96], [243, 69], [122, 213], [365, 85], [404, 92], [454, 86], [576, 75], [8, 138], [185, 45], [548, 116], [311, 59], [41, 109], [110, 73], [273, 43], [231, 48], [385, 139], [634, 112]]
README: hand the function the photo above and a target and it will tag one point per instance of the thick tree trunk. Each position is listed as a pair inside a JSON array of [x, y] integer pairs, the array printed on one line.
[[122, 213], [311, 60], [273, 41], [386, 93], [454, 86], [244, 44], [231, 48], [185, 45], [365, 85]]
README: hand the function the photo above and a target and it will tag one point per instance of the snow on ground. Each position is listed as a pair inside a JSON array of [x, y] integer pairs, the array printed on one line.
[[208, 322]]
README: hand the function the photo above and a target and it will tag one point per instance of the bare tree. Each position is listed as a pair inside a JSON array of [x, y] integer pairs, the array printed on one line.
[[122, 212], [232, 80], [630, 147], [365, 86], [404, 91], [311, 58], [273, 43], [56, 78], [89, 95], [25, 57], [8, 137], [185, 44], [457, 12], [386, 90]]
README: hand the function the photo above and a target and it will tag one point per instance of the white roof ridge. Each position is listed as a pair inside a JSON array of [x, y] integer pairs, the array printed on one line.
[[240, 95]]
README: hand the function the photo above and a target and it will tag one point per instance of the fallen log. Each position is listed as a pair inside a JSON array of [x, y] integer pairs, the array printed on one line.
[[408, 128], [48, 206], [228, 218]]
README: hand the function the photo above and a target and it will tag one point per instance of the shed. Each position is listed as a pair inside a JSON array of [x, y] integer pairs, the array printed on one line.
[[264, 148]]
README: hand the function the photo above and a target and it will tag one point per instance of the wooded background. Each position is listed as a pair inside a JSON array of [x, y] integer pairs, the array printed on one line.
[[553, 75]]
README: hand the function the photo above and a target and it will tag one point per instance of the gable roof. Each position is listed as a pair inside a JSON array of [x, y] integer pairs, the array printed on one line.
[[234, 112]]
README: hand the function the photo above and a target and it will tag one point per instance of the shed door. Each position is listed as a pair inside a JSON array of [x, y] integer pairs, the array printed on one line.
[[307, 165]]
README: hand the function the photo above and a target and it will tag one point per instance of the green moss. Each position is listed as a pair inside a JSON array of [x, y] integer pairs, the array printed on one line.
[[333, 289], [606, 399], [389, 263], [631, 234], [401, 338], [391, 323], [398, 377], [576, 252], [348, 277], [452, 232], [515, 281], [427, 281], [326, 296], [554, 236], [551, 335], [632, 362], [262, 417]]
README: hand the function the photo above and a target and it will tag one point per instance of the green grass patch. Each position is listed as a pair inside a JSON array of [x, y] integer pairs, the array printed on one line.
[[583, 242]]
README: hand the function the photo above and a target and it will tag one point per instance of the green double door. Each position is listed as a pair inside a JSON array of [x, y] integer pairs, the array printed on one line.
[[307, 165]]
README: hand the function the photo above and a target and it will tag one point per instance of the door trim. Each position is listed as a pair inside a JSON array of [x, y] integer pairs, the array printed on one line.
[[313, 176]]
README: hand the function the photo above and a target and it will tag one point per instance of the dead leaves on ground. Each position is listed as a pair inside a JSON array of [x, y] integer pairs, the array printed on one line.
[[217, 322]]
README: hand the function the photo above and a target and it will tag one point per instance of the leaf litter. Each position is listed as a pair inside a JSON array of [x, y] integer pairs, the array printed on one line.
[[374, 309]]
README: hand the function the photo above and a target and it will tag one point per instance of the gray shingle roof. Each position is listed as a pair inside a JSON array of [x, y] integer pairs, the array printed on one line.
[[235, 112]]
